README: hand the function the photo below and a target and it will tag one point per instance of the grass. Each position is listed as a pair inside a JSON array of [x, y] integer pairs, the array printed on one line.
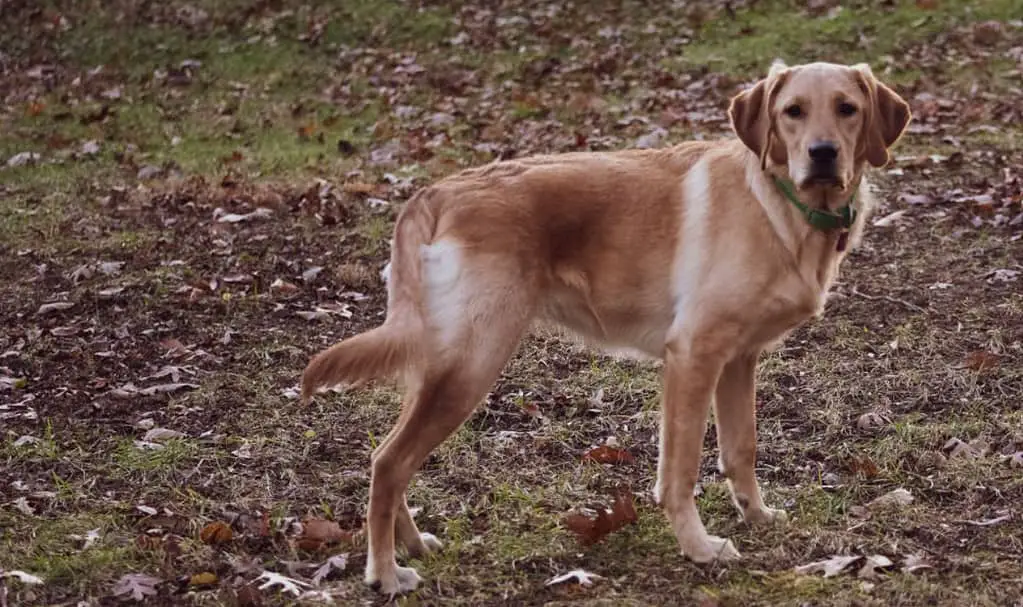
[[274, 104]]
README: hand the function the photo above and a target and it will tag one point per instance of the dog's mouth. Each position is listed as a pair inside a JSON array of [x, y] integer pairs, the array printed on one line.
[[823, 181]]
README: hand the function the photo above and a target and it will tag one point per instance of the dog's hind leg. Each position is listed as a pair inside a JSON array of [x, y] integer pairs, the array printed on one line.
[[406, 532], [471, 351]]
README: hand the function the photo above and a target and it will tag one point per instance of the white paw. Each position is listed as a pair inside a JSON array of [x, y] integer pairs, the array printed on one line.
[[401, 581], [426, 543], [713, 548], [433, 544], [765, 516]]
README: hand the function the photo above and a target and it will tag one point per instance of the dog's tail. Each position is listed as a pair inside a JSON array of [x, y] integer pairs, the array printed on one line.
[[394, 346]]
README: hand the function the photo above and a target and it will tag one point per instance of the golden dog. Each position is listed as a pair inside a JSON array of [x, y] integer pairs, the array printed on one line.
[[702, 255]]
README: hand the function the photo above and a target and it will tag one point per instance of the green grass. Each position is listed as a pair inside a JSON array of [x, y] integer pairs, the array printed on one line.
[[778, 29]]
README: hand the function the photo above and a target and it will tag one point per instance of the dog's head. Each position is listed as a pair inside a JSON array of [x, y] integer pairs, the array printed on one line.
[[821, 121]]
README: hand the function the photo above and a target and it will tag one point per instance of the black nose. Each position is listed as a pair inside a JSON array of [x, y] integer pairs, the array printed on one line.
[[823, 151]]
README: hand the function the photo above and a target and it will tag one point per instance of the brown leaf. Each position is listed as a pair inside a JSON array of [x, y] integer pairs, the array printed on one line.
[[359, 187], [609, 455], [217, 532], [306, 131], [318, 532], [591, 531], [284, 287], [981, 361], [35, 108], [862, 465], [174, 346], [249, 596], [532, 410], [205, 578]]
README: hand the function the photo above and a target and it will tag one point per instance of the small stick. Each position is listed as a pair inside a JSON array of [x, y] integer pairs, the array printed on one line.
[[903, 302]]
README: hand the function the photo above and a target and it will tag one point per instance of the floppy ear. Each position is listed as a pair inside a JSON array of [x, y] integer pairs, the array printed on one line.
[[750, 114], [886, 119]]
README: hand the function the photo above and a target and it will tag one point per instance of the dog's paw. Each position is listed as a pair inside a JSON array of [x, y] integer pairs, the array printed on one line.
[[401, 580], [427, 544], [712, 549], [433, 544], [765, 516]]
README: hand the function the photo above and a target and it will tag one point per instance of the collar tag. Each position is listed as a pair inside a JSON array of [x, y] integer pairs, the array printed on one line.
[[843, 241]]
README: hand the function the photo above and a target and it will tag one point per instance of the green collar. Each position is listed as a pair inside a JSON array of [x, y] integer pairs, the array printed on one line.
[[822, 220]]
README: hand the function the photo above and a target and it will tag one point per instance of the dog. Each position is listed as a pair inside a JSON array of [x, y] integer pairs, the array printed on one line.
[[702, 255]]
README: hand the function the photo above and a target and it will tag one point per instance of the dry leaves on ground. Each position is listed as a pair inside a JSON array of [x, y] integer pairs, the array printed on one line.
[[592, 530]]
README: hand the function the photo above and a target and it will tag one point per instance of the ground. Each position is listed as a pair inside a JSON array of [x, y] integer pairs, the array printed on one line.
[[194, 198]]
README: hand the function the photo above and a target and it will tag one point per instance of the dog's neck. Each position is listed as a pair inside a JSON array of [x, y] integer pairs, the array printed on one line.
[[791, 224]]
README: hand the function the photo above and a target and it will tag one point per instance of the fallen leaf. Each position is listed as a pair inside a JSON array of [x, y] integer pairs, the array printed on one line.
[[53, 307], [889, 219], [1001, 275], [90, 538], [916, 199], [21, 576], [136, 585], [915, 562], [861, 465], [166, 388], [358, 187], [605, 454], [988, 33], [23, 158], [26, 439], [110, 292], [215, 533], [284, 287], [271, 579], [578, 576], [318, 532], [162, 434], [956, 448], [830, 567], [871, 421], [311, 273], [872, 565], [592, 530], [895, 497], [338, 562], [260, 213], [21, 505], [148, 171], [205, 578], [982, 360], [325, 311]]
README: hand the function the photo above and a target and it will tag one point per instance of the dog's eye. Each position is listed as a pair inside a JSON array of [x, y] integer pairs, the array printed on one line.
[[793, 111], [846, 109]]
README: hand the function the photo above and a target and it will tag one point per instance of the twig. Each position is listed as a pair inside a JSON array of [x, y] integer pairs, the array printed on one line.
[[903, 302]]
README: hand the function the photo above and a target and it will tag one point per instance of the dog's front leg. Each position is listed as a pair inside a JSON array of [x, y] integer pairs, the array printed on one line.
[[735, 417], [690, 376]]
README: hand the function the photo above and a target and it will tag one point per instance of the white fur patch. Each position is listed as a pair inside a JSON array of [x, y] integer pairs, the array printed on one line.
[[447, 296], [689, 259]]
